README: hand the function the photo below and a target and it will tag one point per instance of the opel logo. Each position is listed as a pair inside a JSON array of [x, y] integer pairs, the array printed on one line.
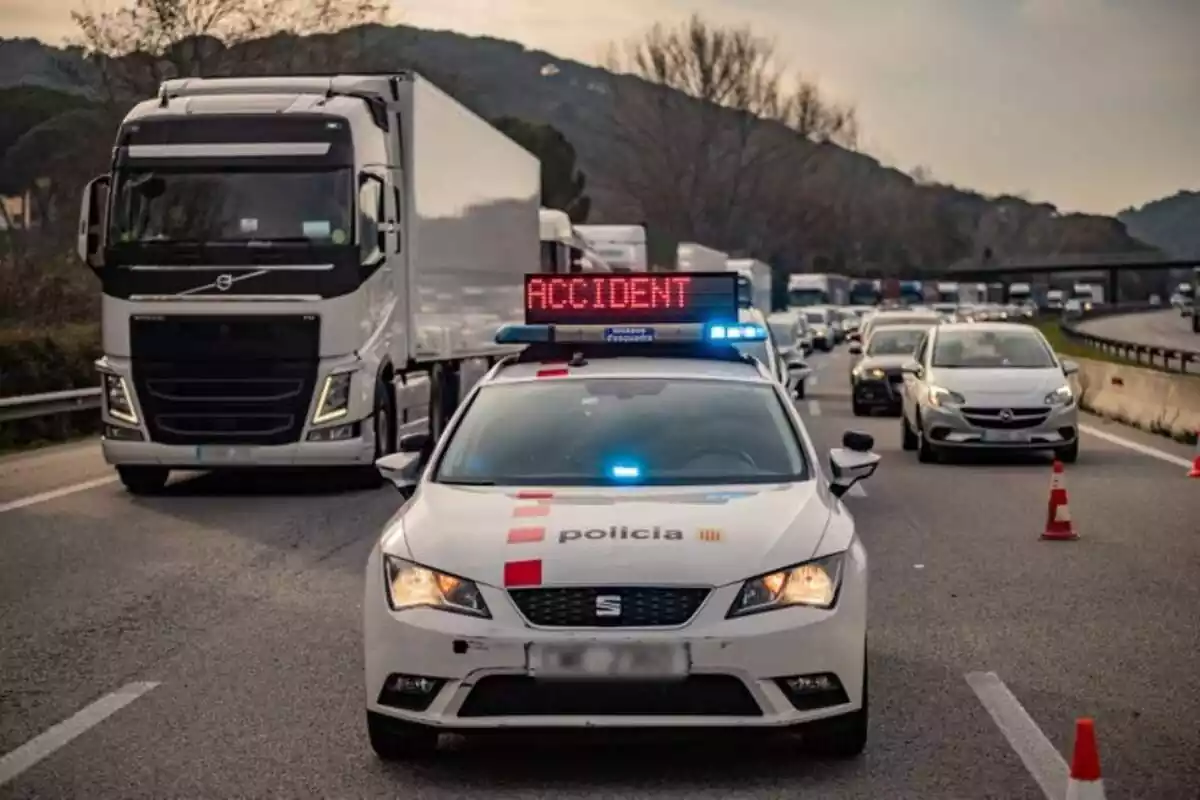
[[1006, 415], [224, 282]]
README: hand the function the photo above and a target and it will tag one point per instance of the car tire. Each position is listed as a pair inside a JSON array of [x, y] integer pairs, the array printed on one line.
[[926, 453], [908, 439], [844, 736], [397, 740], [1068, 454], [859, 409], [143, 480], [800, 390]]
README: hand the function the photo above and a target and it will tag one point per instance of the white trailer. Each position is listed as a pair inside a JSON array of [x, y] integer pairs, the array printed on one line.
[[808, 289], [692, 257], [754, 283], [563, 249], [297, 271], [623, 247]]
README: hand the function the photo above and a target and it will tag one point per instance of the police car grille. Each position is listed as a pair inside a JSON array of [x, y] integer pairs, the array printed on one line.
[[639, 606]]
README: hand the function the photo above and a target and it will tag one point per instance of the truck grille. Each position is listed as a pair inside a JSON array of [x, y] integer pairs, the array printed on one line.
[[995, 417], [224, 380], [639, 607]]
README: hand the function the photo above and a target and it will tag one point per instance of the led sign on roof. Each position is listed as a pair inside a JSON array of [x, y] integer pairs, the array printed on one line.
[[601, 299]]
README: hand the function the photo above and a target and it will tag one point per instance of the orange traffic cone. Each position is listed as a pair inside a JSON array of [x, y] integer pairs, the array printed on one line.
[[1058, 519], [1195, 473], [1085, 782]]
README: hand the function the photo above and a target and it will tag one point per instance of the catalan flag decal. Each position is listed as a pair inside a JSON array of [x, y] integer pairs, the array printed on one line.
[[709, 535]]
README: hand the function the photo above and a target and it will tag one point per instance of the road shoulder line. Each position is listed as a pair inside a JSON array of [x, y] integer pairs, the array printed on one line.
[[1036, 752], [1137, 447], [54, 494]]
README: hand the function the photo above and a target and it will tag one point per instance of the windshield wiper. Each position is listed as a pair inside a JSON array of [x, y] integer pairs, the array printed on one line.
[[468, 482]]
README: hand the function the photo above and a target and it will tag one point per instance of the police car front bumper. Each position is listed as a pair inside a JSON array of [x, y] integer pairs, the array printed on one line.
[[774, 669]]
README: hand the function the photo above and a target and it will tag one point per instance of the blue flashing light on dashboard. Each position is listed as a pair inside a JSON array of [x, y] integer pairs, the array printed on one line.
[[625, 472]]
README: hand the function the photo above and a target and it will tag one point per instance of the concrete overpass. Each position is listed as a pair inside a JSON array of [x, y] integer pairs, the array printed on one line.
[[1029, 267]]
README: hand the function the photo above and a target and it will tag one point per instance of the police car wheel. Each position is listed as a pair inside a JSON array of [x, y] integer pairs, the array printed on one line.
[[843, 736], [397, 740], [143, 480]]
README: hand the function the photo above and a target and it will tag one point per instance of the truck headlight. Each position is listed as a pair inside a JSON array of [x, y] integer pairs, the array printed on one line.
[[814, 583], [118, 400], [1062, 396], [334, 401], [944, 398], [410, 585]]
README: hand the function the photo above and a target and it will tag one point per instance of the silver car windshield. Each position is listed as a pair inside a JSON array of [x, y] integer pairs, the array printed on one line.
[[982, 349], [608, 431]]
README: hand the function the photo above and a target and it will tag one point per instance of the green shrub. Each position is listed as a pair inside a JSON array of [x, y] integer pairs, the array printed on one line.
[[50, 360]]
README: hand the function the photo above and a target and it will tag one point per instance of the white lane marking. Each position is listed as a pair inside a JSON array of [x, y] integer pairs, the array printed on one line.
[[814, 408], [44, 497], [1035, 751], [813, 379], [14, 763], [1145, 450]]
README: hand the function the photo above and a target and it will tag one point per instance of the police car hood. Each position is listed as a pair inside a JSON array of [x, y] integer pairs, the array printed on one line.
[[604, 536]]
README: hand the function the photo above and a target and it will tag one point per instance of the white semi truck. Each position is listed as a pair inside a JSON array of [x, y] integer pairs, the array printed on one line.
[[563, 249], [623, 247], [297, 271], [754, 283], [692, 257]]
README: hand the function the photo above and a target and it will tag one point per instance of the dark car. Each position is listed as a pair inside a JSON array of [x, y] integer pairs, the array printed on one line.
[[876, 381]]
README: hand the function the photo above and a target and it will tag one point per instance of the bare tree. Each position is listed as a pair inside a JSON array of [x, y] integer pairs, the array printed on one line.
[[137, 46], [715, 138]]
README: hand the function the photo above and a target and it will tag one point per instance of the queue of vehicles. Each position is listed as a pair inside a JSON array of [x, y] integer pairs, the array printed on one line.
[[299, 271]]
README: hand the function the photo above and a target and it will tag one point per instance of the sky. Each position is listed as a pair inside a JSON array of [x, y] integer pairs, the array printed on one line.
[[1093, 105]]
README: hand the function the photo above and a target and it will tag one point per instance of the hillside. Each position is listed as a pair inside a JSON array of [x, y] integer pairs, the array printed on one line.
[[1172, 224], [840, 210]]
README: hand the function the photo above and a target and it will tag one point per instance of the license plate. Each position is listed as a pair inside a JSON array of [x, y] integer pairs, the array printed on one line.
[[221, 454], [1007, 437], [608, 661]]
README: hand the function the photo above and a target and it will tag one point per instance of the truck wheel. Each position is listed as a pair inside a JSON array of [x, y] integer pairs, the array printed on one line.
[[143, 480], [384, 415]]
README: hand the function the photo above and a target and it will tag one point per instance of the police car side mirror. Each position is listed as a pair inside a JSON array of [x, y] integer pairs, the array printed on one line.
[[850, 464], [402, 470]]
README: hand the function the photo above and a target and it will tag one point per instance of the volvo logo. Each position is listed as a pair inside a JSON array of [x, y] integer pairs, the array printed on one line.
[[608, 605], [1006, 415], [224, 282]]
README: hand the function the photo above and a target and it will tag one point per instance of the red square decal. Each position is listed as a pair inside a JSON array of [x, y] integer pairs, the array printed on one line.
[[523, 573]]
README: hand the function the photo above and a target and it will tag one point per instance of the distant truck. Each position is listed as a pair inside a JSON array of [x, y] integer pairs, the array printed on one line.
[[692, 257], [818, 290], [948, 292], [754, 283], [1019, 294], [1055, 299], [563, 249], [912, 293], [865, 292], [295, 271], [1089, 295], [622, 247]]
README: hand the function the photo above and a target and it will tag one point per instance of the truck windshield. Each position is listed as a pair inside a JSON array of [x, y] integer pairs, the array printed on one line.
[[224, 206], [808, 297]]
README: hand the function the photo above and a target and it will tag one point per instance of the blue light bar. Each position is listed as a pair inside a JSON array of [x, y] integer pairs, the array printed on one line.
[[737, 333], [523, 334]]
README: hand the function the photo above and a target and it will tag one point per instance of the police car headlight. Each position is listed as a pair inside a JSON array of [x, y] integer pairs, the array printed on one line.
[[410, 585], [814, 583], [334, 401], [1062, 396]]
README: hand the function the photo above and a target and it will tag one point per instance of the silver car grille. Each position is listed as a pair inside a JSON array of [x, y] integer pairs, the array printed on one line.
[[1006, 418]]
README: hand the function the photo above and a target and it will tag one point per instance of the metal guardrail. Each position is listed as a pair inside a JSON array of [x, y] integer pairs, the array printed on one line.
[[44, 405], [1142, 354]]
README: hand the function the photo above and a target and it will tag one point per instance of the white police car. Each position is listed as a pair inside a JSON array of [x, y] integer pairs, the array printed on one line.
[[626, 525]]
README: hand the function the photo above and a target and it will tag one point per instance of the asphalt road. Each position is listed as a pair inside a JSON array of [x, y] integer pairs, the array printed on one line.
[[1157, 328], [232, 607]]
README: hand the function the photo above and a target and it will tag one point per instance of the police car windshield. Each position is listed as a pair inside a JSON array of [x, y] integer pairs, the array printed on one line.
[[608, 431]]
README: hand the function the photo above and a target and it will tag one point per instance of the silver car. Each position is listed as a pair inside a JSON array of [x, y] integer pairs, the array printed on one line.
[[988, 385]]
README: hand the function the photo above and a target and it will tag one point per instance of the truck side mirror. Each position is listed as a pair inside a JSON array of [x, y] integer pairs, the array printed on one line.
[[92, 219], [372, 239]]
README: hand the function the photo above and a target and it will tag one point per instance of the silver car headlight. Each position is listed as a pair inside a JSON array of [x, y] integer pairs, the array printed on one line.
[[410, 585], [874, 374], [1062, 396], [334, 400], [944, 398], [118, 400], [814, 583]]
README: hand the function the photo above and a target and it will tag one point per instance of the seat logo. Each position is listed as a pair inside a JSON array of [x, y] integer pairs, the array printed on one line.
[[608, 605], [1006, 415]]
